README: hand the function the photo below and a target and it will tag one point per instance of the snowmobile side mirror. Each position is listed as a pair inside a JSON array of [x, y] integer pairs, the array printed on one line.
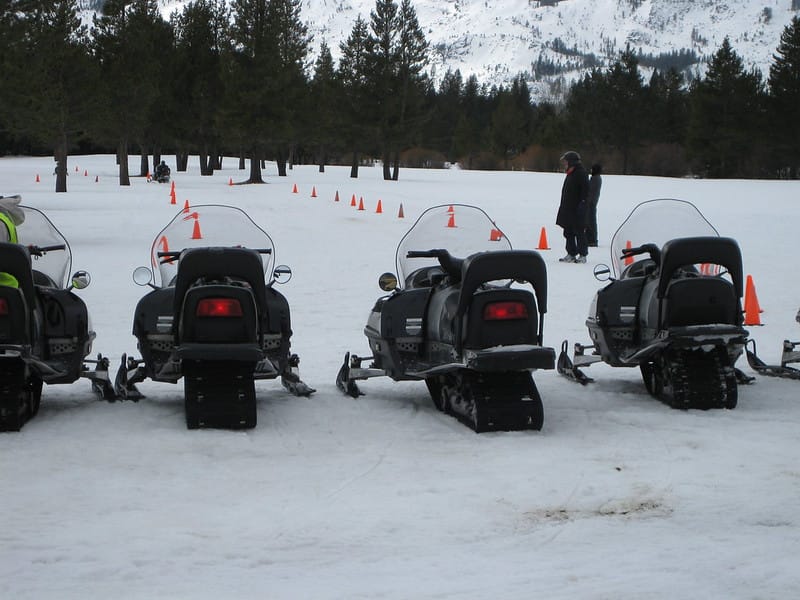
[[80, 280], [142, 276], [602, 272], [282, 274], [387, 282]]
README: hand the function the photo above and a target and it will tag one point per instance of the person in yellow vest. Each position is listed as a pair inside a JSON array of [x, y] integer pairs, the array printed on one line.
[[11, 215]]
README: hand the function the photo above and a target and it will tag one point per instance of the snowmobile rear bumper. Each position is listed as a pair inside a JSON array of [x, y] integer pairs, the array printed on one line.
[[220, 352], [700, 336], [510, 358]]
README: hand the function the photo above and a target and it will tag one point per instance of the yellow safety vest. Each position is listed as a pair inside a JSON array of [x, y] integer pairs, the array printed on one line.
[[6, 279]]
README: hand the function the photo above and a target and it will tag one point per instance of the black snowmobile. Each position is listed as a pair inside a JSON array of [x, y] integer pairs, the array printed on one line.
[[789, 354], [162, 173], [674, 309], [213, 320], [45, 330], [459, 323]]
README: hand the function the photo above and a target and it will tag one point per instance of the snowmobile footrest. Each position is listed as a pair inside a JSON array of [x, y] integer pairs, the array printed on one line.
[[568, 369]]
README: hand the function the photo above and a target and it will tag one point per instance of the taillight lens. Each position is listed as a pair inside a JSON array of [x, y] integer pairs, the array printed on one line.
[[505, 311], [219, 307], [3, 307]]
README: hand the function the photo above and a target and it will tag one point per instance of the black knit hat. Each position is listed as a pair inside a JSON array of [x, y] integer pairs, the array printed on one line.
[[572, 157]]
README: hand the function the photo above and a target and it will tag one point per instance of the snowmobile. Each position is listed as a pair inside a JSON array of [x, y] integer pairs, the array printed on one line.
[[459, 323], [45, 330], [789, 354], [212, 320], [162, 174], [673, 308]]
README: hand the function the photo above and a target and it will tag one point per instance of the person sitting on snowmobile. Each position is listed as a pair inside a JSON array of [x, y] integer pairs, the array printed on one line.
[[10, 216], [162, 172]]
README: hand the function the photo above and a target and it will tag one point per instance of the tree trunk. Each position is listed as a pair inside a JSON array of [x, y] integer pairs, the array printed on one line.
[[144, 167], [255, 169], [321, 158], [387, 165], [396, 166], [354, 166], [181, 161], [241, 160], [122, 160], [280, 159], [61, 165]]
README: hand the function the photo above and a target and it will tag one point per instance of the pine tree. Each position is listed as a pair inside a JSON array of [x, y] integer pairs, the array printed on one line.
[[353, 73], [725, 116], [784, 87]]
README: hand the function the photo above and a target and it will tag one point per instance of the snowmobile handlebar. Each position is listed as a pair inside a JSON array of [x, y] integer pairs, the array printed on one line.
[[449, 263], [42, 250], [651, 249], [172, 255]]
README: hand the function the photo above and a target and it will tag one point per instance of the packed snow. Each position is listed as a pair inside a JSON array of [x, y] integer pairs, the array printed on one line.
[[382, 496]]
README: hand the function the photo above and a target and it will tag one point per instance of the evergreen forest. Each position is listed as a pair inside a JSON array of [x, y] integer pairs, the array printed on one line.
[[236, 79]]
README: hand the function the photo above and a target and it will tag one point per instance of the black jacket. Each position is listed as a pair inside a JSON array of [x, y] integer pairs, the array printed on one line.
[[572, 210]]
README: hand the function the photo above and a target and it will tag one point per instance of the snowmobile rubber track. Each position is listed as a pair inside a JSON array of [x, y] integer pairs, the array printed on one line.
[[219, 395], [490, 401], [692, 378], [18, 402]]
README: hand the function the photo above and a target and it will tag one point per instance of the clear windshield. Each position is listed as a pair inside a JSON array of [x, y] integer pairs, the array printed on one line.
[[458, 228], [38, 230], [657, 222], [205, 226]]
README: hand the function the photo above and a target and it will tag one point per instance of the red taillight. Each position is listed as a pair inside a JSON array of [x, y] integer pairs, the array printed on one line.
[[219, 307], [505, 311], [3, 307]]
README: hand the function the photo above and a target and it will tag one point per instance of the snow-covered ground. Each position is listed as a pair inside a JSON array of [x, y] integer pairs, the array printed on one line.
[[384, 497]]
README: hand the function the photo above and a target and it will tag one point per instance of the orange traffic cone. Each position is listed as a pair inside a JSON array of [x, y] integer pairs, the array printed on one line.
[[495, 235], [450, 209], [294, 188], [336, 198], [353, 200], [37, 178], [76, 168], [172, 187], [230, 181], [172, 199], [752, 309], [361, 203], [196, 231], [314, 191], [186, 206], [85, 173], [451, 222], [379, 208], [628, 259], [400, 214], [543, 245]]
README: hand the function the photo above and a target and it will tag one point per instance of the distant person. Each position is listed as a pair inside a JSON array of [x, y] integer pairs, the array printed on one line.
[[572, 210], [595, 183], [162, 172]]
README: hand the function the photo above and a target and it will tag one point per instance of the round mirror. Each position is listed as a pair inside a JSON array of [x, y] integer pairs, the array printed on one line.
[[282, 274], [387, 282], [142, 275], [602, 272], [81, 280]]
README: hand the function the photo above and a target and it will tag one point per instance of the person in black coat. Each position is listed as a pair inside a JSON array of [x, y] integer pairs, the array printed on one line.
[[595, 183], [572, 210]]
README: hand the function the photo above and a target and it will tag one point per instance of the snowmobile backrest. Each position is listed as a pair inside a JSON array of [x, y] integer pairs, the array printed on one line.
[[721, 251], [219, 262], [16, 260], [524, 265]]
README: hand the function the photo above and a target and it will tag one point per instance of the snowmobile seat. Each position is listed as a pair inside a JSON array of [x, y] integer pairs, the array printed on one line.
[[16, 261], [521, 265], [700, 301], [217, 263], [680, 252]]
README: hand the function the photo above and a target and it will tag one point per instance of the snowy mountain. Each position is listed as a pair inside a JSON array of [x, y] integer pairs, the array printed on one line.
[[553, 41]]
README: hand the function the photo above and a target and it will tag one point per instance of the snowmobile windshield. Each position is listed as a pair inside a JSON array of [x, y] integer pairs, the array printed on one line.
[[657, 222], [38, 230], [209, 225], [458, 228]]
